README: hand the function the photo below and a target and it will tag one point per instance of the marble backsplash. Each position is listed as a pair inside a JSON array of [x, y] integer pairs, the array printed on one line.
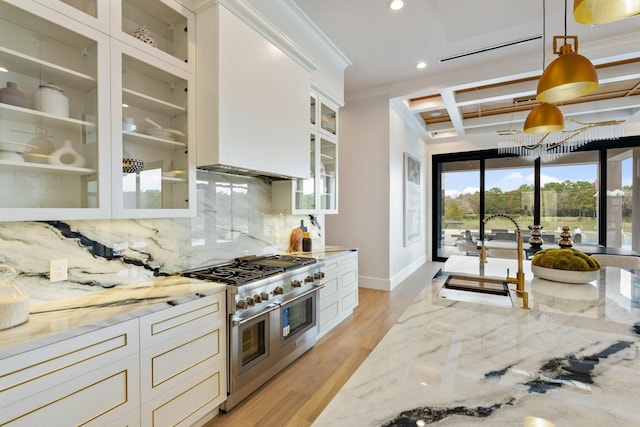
[[233, 219]]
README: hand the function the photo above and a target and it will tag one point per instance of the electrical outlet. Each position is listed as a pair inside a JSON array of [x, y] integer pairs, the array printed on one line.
[[58, 270]]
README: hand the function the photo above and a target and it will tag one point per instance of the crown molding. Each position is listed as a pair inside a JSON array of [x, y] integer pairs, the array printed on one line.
[[330, 48], [247, 14]]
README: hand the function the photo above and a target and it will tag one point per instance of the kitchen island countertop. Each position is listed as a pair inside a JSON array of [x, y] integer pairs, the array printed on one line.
[[64, 318], [573, 359]]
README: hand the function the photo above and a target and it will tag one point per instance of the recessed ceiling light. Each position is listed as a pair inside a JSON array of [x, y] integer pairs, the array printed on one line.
[[420, 65], [396, 4], [436, 114], [3, 70]]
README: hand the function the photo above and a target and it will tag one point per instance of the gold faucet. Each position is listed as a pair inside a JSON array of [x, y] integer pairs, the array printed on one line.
[[519, 279]]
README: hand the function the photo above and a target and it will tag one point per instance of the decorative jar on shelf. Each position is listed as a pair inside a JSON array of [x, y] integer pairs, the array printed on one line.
[[12, 95], [143, 34], [49, 98]]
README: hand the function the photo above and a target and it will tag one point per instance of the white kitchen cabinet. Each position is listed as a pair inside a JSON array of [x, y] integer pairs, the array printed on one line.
[[339, 296], [317, 194], [94, 13], [330, 296], [252, 113], [91, 379], [164, 29], [153, 173], [348, 283], [152, 110], [53, 155], [183, 352], [183, 362], [164, 368], [69, 165]]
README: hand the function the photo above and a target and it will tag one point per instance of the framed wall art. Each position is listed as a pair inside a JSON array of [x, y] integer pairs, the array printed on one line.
[[412, 192]]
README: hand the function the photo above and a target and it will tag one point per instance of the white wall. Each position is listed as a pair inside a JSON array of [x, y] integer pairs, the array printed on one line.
[[404, 138], [372, 142], [363, 221]]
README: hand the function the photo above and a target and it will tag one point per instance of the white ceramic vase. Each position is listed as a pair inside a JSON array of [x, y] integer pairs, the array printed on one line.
[[66, 156], [50, 99]]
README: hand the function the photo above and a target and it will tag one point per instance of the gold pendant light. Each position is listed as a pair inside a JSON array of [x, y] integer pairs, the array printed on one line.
[[602, 11], [544, 118], [569, 76]]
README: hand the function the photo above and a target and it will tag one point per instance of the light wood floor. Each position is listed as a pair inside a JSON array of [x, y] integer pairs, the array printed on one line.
[[297, 396]]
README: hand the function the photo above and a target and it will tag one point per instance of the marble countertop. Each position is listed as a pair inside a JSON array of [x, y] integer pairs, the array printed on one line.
[[573, 359], [325, 252], [64, 318]]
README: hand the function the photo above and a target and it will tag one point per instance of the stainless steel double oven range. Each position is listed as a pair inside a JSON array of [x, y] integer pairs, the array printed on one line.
[[273, 305]]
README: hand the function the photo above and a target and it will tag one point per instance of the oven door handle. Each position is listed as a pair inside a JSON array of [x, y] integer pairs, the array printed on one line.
[[238, 322], [315, 288]]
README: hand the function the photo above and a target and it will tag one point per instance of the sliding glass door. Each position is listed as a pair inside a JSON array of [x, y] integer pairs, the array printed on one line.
[[459, 202], [509, 190], [569, 197], [590, 191]]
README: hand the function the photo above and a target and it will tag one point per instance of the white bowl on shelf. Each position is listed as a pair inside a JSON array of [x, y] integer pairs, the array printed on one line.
[[159, 133], [565, 276]]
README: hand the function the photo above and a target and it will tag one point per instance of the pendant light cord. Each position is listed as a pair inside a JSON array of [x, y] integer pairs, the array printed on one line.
[[565, 21], [544, 32]]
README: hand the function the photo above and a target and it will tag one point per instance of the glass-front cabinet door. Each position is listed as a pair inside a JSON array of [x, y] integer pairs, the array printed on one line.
[[317, 194], [91, 12], [163, 28], [328, 170], [153, 173], [305, 189], [54, 139]]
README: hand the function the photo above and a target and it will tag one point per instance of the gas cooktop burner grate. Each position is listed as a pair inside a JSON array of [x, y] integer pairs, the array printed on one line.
[[249, 269]]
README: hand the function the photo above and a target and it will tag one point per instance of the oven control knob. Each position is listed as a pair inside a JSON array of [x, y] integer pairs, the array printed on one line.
[[308, 279], [250, 301], [296, 283], [257, 298], [242, 304], [278, 290], [264, 296], [318, 276]]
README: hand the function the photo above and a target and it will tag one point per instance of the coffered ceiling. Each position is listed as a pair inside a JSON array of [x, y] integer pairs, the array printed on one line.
[[484, 59]]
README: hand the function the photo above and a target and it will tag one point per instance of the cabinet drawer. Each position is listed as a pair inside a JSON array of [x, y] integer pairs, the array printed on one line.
[[188, 401], [349, 301], [330, 290], [329, 317], [201, 341], [331, 267], [99, 397], [349, 279], [29, 373], [349, 261], [174, 323], [161, 368]]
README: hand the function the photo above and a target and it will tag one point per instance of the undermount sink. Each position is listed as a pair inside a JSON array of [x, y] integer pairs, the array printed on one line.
[[476, 289]]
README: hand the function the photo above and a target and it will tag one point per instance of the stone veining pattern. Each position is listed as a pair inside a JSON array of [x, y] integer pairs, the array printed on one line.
[[233, 219], [453, 363]]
